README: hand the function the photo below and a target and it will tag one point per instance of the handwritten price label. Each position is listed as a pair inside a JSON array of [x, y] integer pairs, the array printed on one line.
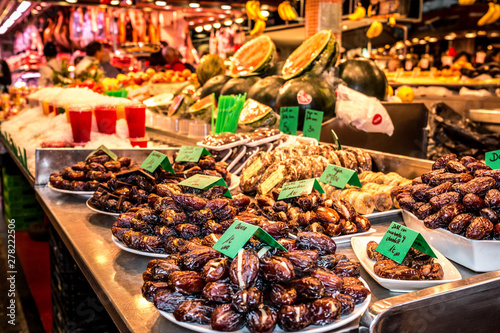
[[289, 117], [312, 124], [105, 150], [238, 234], [492, 159], [191, 154], [339, 177], [296, 189], [398, 240], [204, 182], [156, 159]]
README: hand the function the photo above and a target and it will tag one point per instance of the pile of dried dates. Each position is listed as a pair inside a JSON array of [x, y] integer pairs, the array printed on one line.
[[307, 285], [460, 195], [415, 266], [312, 213], [132, 188], [86, 175]]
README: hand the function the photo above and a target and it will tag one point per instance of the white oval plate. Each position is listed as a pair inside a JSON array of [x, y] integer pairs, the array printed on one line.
[[124, 247], [81, 193], [226, 146], [347, 238], [235, 182], [95, 209], [383, 214], [402, 286], [358, 312], [265, 140]]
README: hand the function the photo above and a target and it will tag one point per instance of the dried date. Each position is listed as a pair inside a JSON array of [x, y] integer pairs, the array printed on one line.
[[331, 281], [277, 269], [316, 241], [226, 319], [479, 228], [168, 301], [247, 299], [194, 312], [461, 222], [217, 292], [280, 295], [244, 269], [294, 317], [309, 288], [441, 162], [186, 282], [325, 311], [262, 320]]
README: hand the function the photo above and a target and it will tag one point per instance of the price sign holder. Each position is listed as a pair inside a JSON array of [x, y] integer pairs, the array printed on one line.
[[204, 182], [289, 117], [398, 240], [105, 150], [238, 234], [312, 124], [296, 189], [156, 159], [191, 154], [492, 159], [339, 177]]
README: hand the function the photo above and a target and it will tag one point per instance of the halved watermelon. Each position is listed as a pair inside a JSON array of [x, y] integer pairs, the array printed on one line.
[[318, 53], [202, 109], [253, 57], [255, 114]]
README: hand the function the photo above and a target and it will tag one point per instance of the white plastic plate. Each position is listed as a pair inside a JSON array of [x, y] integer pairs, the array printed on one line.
[[124, 247], [97, 210], [347, 238], [358, 312], [265, 140], [80, 193], [450, 271], [226, 146]]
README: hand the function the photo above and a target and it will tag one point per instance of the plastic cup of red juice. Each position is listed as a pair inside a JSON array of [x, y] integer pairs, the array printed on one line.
[[80, 118], [136, 120], [139, 142], [105, 116]]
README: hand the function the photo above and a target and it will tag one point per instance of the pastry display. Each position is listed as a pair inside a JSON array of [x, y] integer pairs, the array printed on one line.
[[460, 195]]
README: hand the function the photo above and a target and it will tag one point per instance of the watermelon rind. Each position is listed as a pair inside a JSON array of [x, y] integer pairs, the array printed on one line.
[[266, 62], [180, 110], [325, 56], [202, 110], [255, 115]]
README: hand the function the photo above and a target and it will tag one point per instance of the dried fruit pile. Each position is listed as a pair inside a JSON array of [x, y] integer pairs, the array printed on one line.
[[460, 195], [307, 285]]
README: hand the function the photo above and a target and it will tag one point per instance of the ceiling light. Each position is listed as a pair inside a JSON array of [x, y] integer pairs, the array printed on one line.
[[71, 1], [168, 7], [228, 22], [191, 23], [264, 13], [225, 7], [194, 5], [222, 15], [470, 35], [199, 9], [38, 7], [115, 2], [211, 18], [207, 27], [43, 4], [198, 29], [414, 40], [239, 20], [481, 33], [23, 6], [34, 12], [422, 42], [129, 2], [433, 40], [161, 3], [217, 25], [450, 36]]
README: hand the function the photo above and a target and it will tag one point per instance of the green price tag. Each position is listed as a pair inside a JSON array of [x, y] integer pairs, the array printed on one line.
[[312, 124], [289, 116], [191, 154], [398, 240], [296, 189], [204, 182], [238, 234], [339, 177], [156, 159], [336, 138], [492, 159], [106, 151]]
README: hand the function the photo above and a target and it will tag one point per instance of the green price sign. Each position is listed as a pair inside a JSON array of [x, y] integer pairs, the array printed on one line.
[[398, 240], [204, 182], [238, 234], [289, 117], [336, 138], [296, 189], [339, 177], [156, 159], [191, 154], [312, 124], [492, 159], [105, 150]]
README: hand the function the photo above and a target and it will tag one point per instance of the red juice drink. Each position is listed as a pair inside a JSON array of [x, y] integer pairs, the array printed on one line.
[[80, 118], [136, 120], [105, 116]]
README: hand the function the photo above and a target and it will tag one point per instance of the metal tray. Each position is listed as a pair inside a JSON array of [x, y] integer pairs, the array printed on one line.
[[485, 116]]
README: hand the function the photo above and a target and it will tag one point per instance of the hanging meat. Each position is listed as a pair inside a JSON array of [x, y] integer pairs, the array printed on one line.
[[60, 32], [76, 28], [87, 33], [122, 31], [48, 33]]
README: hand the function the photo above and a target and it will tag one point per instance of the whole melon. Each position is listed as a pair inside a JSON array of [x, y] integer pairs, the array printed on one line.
[[307, 93], [266, 90], [210, 66], [364, 76], [239, 85], [214, 85]]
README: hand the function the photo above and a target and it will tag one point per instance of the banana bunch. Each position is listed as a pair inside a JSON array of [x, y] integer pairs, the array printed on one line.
[[492, 15], [466, 2], [375, 29], [358, 14], [253, 11], [258, 29], [286, 11]]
